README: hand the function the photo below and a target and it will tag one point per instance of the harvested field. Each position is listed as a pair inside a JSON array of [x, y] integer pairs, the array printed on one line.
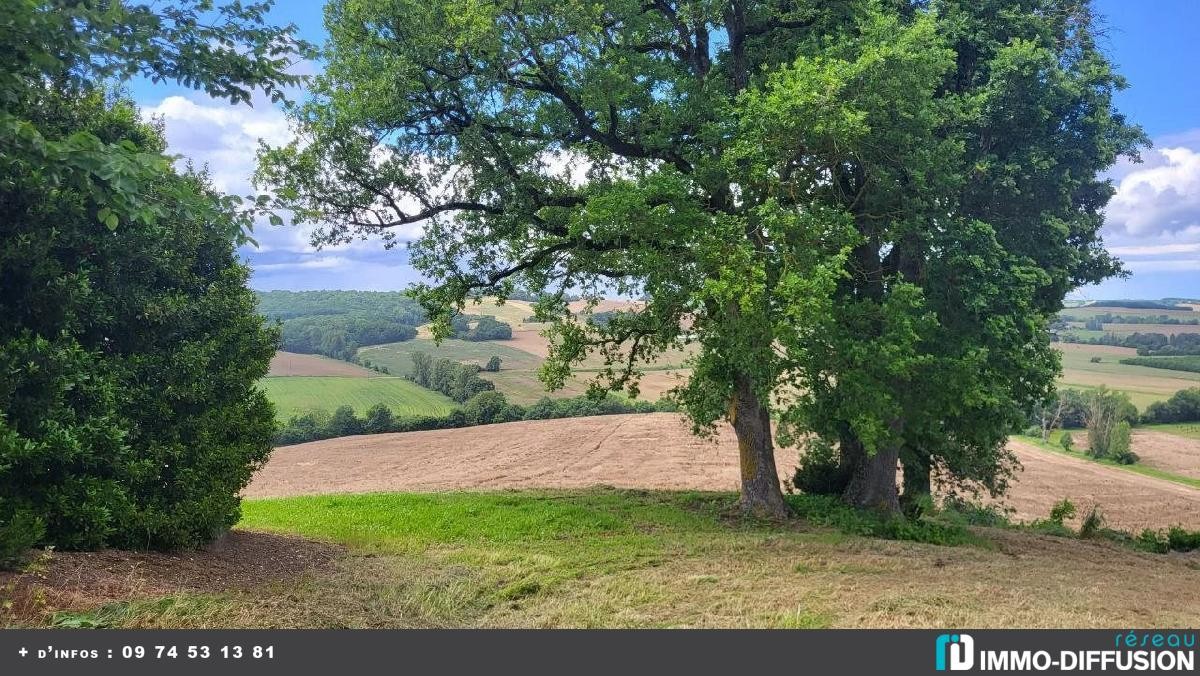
[[1170, 452], [293, 364], [655, 451], [1128, 501]]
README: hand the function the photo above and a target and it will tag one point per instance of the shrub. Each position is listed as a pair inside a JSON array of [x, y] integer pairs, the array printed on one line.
[[1061, 511], [1183, 406], [1092, 523], [820, 471], [484, 408], [344, 423], [1095, 360], [828, 510], [493, 364], [1066, 441], [18, 535], [379, 420], [958, 510]]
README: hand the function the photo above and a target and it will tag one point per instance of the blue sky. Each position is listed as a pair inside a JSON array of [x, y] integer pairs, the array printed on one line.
[[1153, 224]]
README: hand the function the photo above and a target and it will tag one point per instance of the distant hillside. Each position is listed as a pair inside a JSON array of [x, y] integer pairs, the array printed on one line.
[[337, 323], [1139, 304]]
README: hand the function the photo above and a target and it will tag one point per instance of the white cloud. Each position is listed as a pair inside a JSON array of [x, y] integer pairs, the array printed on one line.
[[1158, 198]]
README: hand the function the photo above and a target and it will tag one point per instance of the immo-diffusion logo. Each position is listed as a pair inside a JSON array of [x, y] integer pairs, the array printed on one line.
[[958, 648], [1131, 651]]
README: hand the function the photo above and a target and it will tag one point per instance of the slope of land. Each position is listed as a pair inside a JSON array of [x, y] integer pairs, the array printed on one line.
[[656, 451], [285, 364], [613, 558], [1143, 384]]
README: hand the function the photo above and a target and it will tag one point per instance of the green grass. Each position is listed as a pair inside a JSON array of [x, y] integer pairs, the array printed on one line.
[[1137, 468], [1189, 430], [1143, 384], [397, 357], [631, 558], [297, 395], [1188, 363]]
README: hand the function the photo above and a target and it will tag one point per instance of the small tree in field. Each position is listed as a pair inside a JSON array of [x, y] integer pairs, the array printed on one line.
[[1108, 429], [847, 208], [493, 364]]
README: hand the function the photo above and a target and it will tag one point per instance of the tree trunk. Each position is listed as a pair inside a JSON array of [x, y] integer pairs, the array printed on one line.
[[873, 480], [751, 421]]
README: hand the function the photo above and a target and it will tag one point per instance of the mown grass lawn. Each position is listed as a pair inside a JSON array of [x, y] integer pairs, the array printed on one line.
[[296, 395]]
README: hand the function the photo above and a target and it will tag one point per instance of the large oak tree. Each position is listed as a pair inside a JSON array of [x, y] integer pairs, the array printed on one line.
[[861, 213]]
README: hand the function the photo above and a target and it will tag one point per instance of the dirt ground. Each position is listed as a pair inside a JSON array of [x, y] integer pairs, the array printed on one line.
[[656, 451], [240, 560], [293, 364], [1170, 452]]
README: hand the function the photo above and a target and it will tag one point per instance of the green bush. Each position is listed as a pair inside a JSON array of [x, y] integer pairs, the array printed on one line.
[[1092, 523], [1061, 511], [820, 471], [18, 535], [379, 420], [830, 511], [1066, 441], [484, 408], [955, 509], [129, 357]]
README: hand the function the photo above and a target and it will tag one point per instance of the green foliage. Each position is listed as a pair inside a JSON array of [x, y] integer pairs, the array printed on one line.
[[1109, 435], [1067, 442], [1190, 363], [825, 510], [379, 420], [130, 345], [820, 470], [484, 408], [956, 509], [481, 409], [1183, 406], [1092, 523], [493, 364], [337, 323], [475, 329], [1175, 538], [18, 534], [864, 214], [458, 381], [1061, 511]]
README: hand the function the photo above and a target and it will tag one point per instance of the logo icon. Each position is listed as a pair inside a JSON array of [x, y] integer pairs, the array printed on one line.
[[959, 648]]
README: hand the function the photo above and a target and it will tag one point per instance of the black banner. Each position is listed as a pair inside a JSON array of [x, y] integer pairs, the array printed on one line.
[[885, 652]]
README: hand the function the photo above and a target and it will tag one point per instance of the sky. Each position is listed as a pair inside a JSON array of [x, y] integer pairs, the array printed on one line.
[[1152, 224]]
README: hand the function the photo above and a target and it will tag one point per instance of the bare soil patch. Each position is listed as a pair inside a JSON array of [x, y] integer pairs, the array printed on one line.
[[657, 451], [240, 560], [1128, 501], [293, 364]]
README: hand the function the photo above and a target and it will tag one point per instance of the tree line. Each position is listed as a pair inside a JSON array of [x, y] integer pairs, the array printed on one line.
[[1148, 344], [484, 408]]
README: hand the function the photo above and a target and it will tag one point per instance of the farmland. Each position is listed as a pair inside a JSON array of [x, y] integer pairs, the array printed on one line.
[[1143, 384], [297, 395], [285, 364]]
